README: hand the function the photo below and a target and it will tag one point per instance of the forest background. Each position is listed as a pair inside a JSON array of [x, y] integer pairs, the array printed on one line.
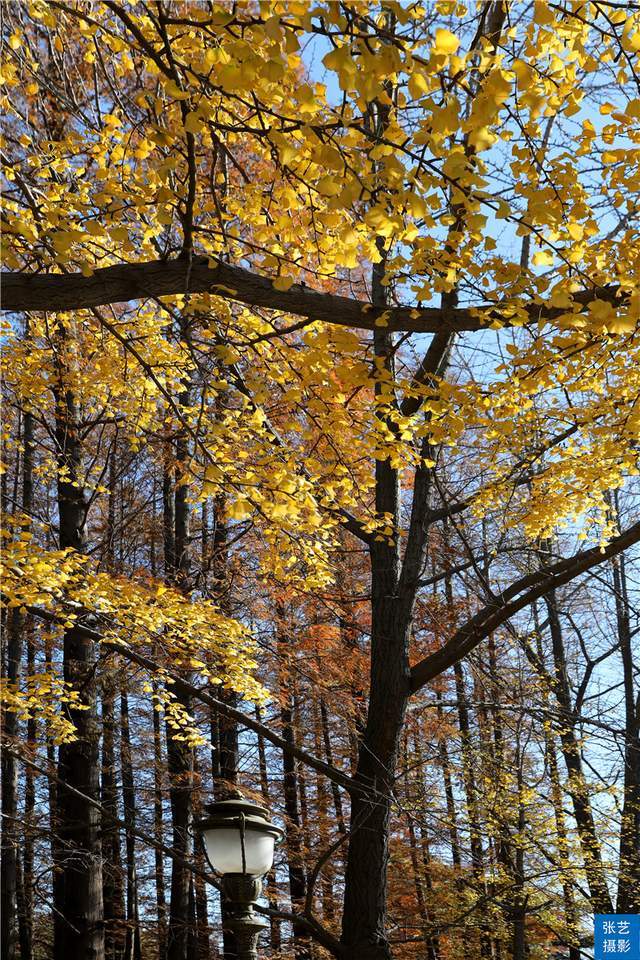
[[320, 454]]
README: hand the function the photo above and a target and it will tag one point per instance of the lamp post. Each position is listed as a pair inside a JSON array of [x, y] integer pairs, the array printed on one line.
[[239, 841]]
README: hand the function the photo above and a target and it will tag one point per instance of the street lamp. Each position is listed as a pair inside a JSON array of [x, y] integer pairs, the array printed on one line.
[[239, 840]]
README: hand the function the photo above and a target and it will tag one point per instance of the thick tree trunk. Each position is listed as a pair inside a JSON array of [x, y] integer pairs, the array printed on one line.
[[26, 918], [365, 909], [363, 929]]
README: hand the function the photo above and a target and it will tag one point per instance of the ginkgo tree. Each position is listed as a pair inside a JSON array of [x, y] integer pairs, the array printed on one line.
[[318, 216]]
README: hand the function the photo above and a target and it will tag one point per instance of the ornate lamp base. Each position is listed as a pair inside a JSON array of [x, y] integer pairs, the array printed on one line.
[[240, 892]]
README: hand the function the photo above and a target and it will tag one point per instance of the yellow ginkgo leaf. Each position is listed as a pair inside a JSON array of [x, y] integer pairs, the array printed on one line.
[[239, 509], [193, 123], [446, 42], [418, 85]]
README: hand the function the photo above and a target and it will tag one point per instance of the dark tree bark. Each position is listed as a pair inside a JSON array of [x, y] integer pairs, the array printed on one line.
[[577, 786], [628, 896], [16, 878], [133, 949], [328, 752], [291, 791], [557, 802], [113, 891], [419, 853], [570, 913], [272, 897], [473, 807], [157, 278], [201, 947], [9, 865], [179, 754], [452, 819], [365, 909], [519, 898], [322, 820], [26, 915], [26, 935], [80, 934], [158, 829], [224, 729]]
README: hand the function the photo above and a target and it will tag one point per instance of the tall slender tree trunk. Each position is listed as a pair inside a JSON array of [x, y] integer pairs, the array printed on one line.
[[224, 731], [452, 817], [201, 950], [15, 926], [473, 812], [79, 896], [133, 950], [10, 834], [158, 831], [557, 802], [180, 769], [12, 671], [628, 896], [52, 792], [570, 913], [26, 946], [519, 905], [578, 788], [470, 790], [328, 752], [322, 819], [291, 790], [179, 754], [272, 896], [419, 854], [113, 892]]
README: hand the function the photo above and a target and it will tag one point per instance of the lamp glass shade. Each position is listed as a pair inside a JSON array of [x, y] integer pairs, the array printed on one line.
[[224, 849]]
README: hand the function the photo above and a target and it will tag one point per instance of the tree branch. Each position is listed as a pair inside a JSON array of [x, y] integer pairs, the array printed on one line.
[[183, 686], [159, 278], [520, 594]]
